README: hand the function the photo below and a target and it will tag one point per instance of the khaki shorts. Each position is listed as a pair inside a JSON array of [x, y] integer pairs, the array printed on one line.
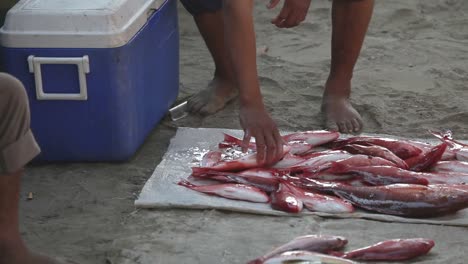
[[17, 143]]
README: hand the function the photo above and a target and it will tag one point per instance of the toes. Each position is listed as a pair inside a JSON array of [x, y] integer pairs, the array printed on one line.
[[349, 126], [331, 125], [342, 127], [209, 101], [209, 108], [357, 125], [195, 103]]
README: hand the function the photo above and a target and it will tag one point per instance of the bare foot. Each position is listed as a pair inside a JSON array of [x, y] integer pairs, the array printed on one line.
[[337, 110], [213, 98]]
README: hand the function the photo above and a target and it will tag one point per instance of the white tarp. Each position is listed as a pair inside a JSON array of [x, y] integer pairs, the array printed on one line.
[[186, 150]]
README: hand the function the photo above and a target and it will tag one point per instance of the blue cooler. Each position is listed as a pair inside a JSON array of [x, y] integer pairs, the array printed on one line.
[[100, 74]]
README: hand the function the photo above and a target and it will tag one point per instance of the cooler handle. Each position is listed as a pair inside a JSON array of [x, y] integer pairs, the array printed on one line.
[[83, 68]]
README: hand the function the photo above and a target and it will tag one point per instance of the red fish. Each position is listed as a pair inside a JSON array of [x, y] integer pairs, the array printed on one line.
[[380, 175], [230, 191], [321, 169], [319, 162], [288, 160], [426, 147], [461, 187], [302, 256], [364, 160], [409, 200], [450, 166], [446, 177], [314, 138], [315, 243], [284, 199], [376, 151], [317, 202], [401, 148], [424, 161], [265, 179], [211, 158], [390, 250], [460, 149]]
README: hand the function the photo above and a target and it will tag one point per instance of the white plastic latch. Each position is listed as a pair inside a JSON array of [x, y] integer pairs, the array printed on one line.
[[83, 68]]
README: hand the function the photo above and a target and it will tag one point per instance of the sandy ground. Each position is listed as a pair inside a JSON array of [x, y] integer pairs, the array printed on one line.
[[411, 76]]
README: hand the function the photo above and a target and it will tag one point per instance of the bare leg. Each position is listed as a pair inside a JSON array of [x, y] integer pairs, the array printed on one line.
[[12, 247], [16, 148], [350, 19], [221, 89]]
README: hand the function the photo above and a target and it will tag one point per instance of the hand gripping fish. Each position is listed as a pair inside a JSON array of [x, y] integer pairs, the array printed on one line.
[[300, 142], [315, 243], [391, 250], [230, 191], [409, 200], [245, 162], [232, 142]]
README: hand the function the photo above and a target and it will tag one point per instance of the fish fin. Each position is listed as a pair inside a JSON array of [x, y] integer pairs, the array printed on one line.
[[186, 183], [232, 139]]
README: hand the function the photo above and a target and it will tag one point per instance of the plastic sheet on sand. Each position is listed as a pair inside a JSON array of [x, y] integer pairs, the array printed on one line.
[[186, 150]]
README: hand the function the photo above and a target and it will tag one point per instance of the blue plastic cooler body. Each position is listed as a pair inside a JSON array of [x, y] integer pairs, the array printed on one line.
[[129, 90]]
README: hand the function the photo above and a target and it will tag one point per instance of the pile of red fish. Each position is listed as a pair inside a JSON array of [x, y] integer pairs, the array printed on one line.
[[326, 173], [311, 247]]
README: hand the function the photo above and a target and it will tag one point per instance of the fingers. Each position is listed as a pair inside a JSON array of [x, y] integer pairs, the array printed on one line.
[[356, 125], [261, 149], [246, 140], [290, 15], [289, 21], [342, 127], [279, 143], [273, 4], [269, 147]]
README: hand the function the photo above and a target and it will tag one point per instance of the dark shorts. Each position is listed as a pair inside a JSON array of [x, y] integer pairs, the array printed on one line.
[[196, 7]]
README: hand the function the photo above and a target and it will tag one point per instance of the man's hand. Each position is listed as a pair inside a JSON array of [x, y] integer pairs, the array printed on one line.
[[257, 123], [240, 41], [292, 13]]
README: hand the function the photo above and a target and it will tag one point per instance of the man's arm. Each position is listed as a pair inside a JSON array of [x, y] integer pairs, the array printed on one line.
[[240, 40]]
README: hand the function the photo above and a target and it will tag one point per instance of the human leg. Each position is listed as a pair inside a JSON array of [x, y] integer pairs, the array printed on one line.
[[17, 147], [221, 89], [350, 20]]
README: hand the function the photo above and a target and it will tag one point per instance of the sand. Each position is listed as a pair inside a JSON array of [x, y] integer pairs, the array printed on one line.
[[411, 76]]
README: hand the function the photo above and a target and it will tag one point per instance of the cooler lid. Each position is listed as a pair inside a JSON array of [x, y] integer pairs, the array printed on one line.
[[75, 23]]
